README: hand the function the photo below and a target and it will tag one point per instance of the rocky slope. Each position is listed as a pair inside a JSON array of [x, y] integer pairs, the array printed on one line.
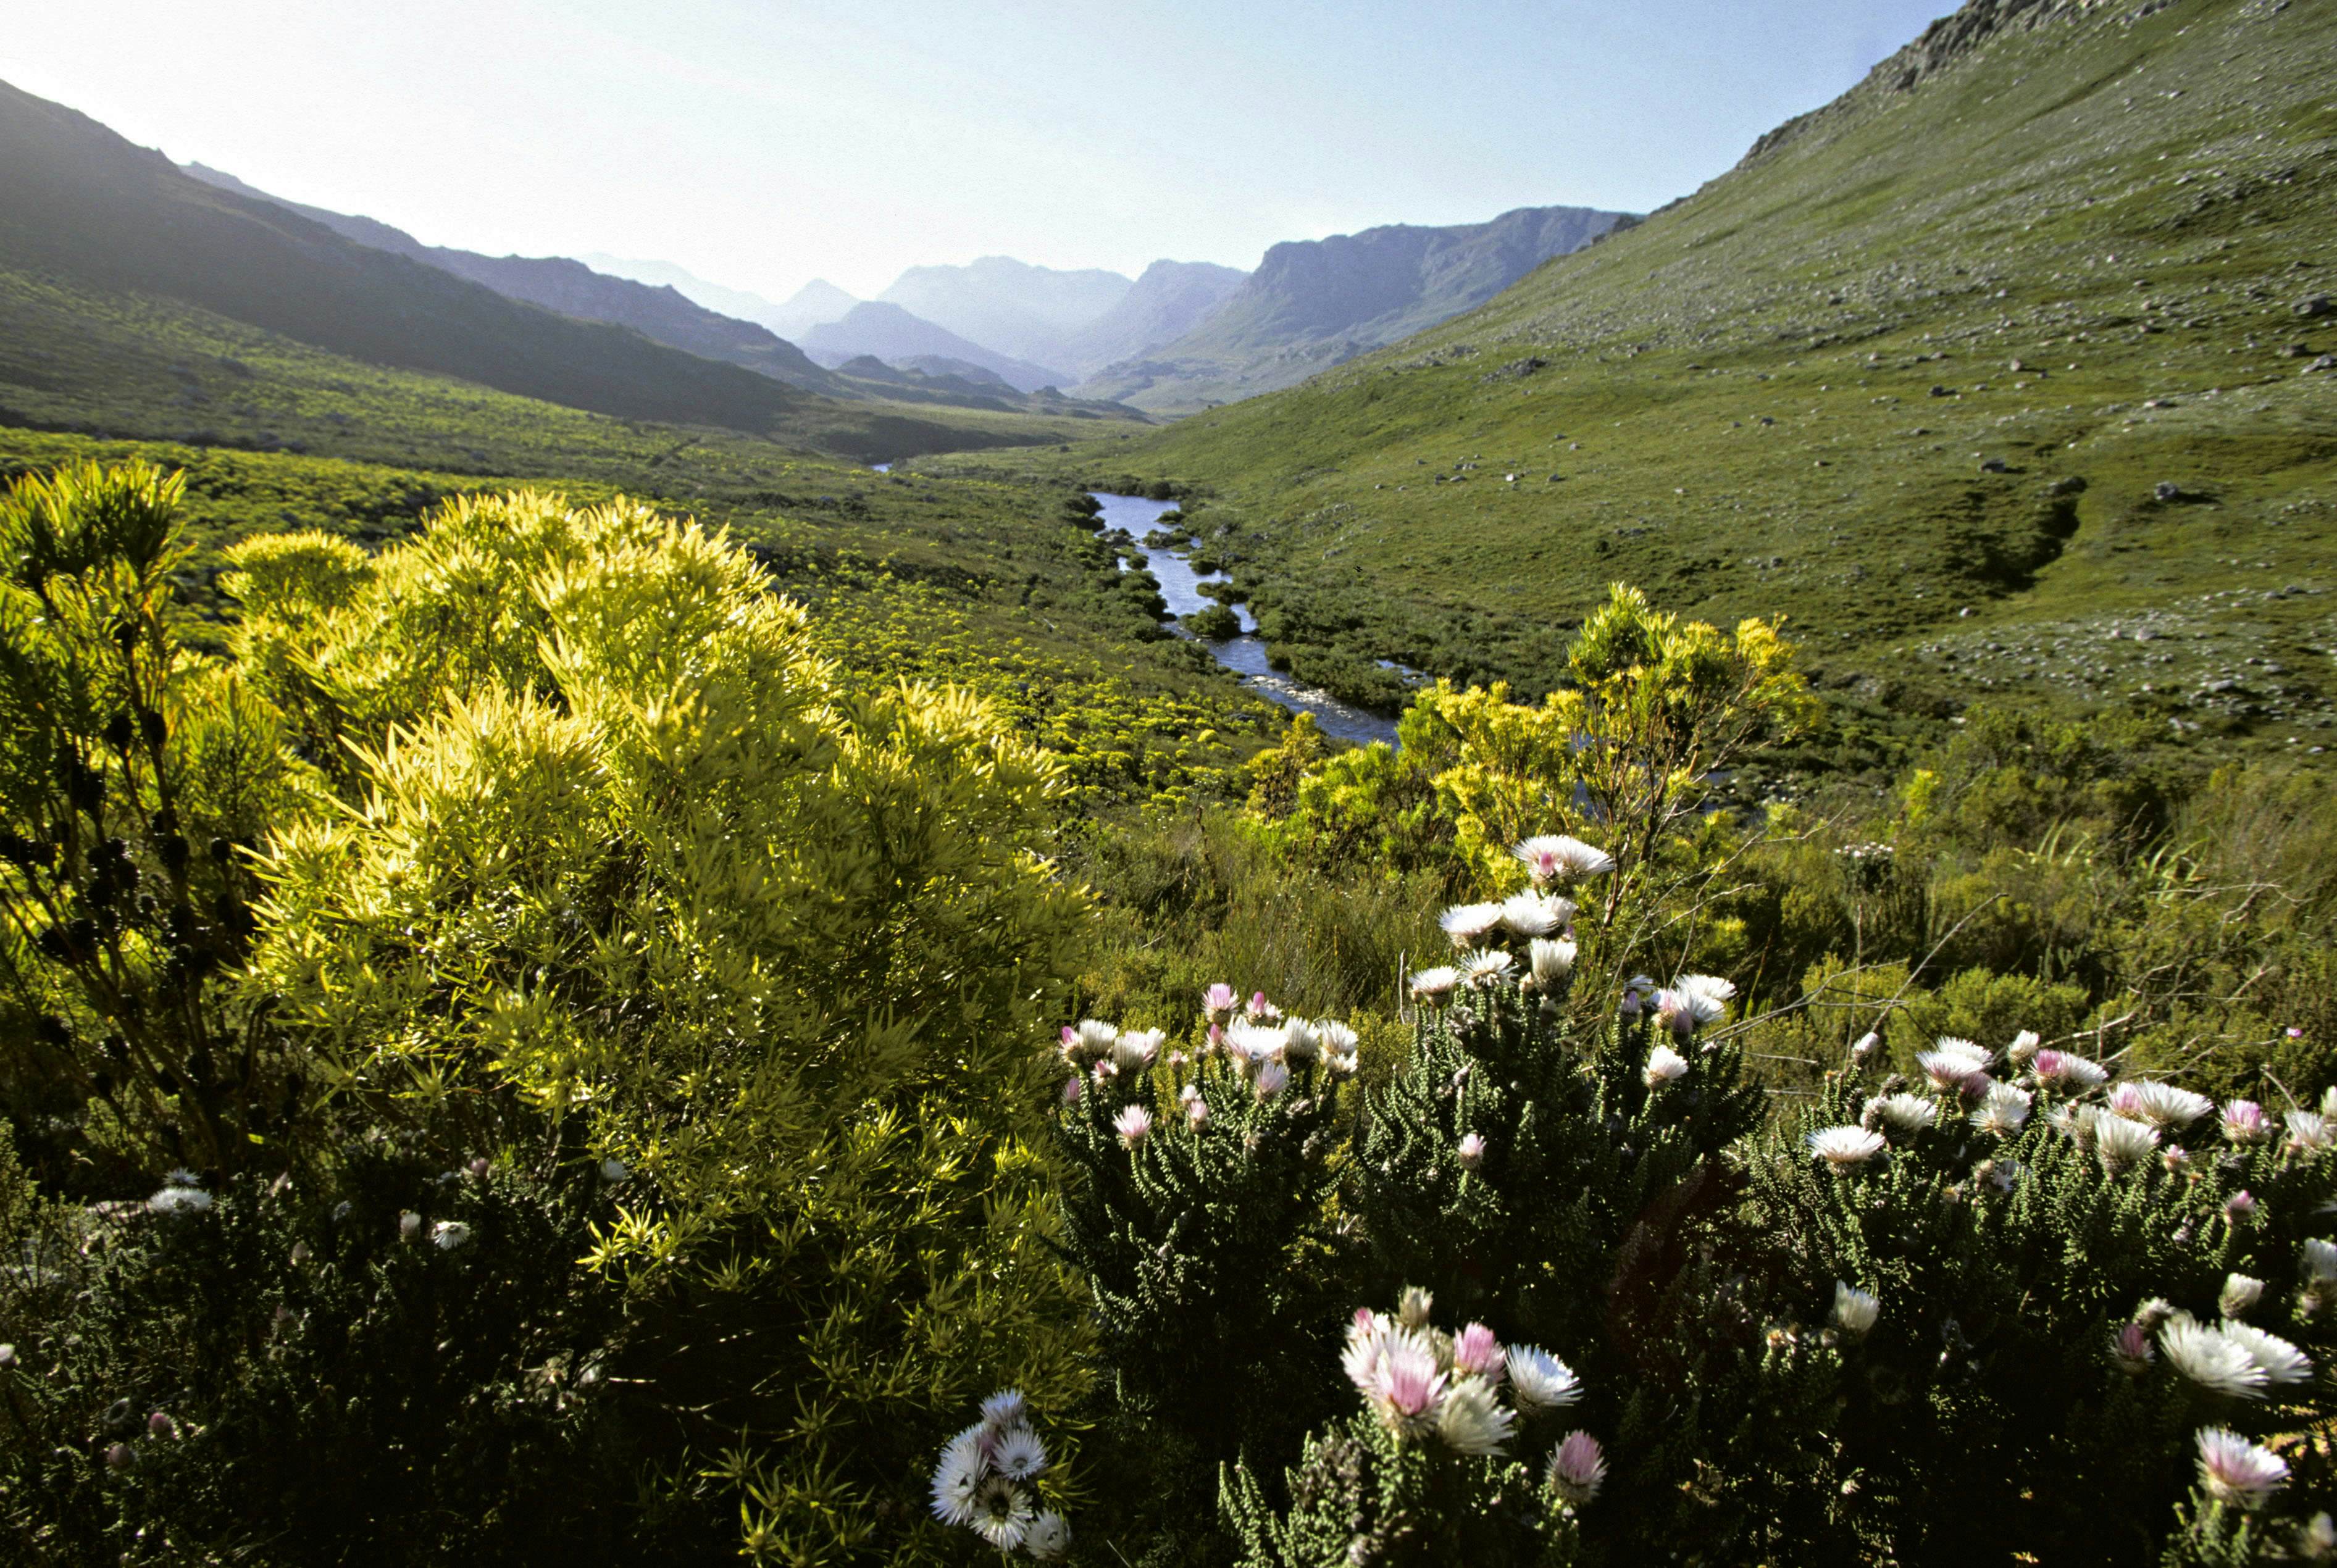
[[895, 336]]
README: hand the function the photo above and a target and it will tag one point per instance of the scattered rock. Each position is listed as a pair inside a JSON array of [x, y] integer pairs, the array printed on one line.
[[1942, 392], [2072, 485], [1992, 465], [2326, 361], [2168, 489], [2317, 305]]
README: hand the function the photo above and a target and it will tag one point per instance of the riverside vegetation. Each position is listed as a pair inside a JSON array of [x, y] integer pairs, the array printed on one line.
[[519, 1052]]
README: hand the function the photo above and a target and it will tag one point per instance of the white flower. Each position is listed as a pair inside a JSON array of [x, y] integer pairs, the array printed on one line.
[[2244, 1123], [1664, 1065], [2160, 1105], [180, 1176], [1338, 1045], [1090, 1041], [2281, 1362], [1855, 1311], [2308, 1130], [1134, 1125], [1254, 1044], [2240, 1293], [1048, 1537], [957, 1476], [1533, 914], [448, 1235], [1577, 1466], [1951, 1071], [2234, 1470], [1908, 1112], [2003, 1110], [1272, 1079], [1134, 1051], [178, 1201], [1540, 1380], [1551, 960], [2211, 1357], [1470, 923], [1397, 1370], [1003, 1410], [1979, 1056], [2121, 1143], [1432, 986], [2024, 1046], [410, 1225], [1551, 855], [1864, 1046], [2320, 1260], [1412, 1308], [1001, 1513], [1844, 1147], [1472, 1150], [1472, 1421], [2059, 1068], [1485, 966], [1018, 1454]]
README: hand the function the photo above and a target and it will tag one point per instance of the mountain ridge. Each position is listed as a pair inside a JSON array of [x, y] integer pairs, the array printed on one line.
[[894, 333]]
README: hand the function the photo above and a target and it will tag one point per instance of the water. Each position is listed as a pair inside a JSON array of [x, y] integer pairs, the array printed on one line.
[[1243, 654]]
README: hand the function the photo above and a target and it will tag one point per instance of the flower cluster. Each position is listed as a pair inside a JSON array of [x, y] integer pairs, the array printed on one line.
[[1420, 1382], [1539, 917], [987, 1479]]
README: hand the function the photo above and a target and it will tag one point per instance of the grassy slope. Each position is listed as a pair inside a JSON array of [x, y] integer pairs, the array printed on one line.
[[1735, 401]]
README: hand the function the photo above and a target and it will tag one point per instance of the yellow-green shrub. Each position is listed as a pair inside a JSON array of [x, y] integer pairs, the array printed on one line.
[[622, 849]]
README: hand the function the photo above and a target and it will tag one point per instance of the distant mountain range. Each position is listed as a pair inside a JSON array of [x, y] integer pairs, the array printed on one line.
[[892, 333], [1170, 300], [1312, 304], [1010, 307], [816, 303]]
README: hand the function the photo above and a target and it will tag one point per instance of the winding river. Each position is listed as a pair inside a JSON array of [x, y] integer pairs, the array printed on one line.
[[1243, 654]]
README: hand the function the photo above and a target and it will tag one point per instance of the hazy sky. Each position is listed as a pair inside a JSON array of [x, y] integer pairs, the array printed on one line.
[[762, 142]]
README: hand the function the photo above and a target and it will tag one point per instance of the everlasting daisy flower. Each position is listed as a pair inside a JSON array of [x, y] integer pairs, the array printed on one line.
[[1219, 1003], [448, 1235], [2001, 1110], [2308, 1130], [179, 1200], [1260, 1010], [1434, 986], [1002, 1515], [2024, 1046], [2120, 1142], [1664, 1065], [2131, 1349], [1469, 924], [1485, 966], [1412, 1308], [2320, 1260], [1535, 914], [1254, 1045], [1864, 1046], [1005, 1408], [1019, 1454], [1955, 1046], [180, 1176], [1073, 1088], [1404, 1384], [2240, 1294], [2241, 1205], [1550, 959], [2061, 1069], [1134, 1051], [1557, 857], [957, 1476], [1048, 1537], [1197, 1113], [1300, 1043], [2281, 1362], [2244, 1122], [2235, 1471], [1951, 1073], [2211, 1357], [2160, 1105], [1845, 1148], [410, 1225], [1577, 1466], [1470, 1151], [1907, 1113], [1471, 1420], [1272, 1079], [1476, 1351], [1134, 1125], [1338, 1045], [1855, 1311], [1540, 1380]]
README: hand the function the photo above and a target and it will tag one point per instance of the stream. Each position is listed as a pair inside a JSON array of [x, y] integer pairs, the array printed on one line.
[[1243, 654]]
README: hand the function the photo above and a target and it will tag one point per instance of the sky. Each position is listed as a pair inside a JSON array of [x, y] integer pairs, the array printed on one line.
[[760, 143]]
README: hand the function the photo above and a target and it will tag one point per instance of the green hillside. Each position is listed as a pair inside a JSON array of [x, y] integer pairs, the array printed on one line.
[[2007, 374]]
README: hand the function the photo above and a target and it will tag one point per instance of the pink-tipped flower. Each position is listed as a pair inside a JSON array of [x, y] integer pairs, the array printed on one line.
[[1134, 1125], [159, 1424], [1478, 1353], [2176, 1158], [1396, 1370], [2131, 1349], [119, 1456], [1664, 1065], [1470, 1152], [1557, 856], [1261, 1010], [1073, 1090], [2244, 1122], [2241, 1205], [1272, 1077], [1220, 1003], [2234, 1470], [1197, 1113], [2066, 1070], [1576, 1467]]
